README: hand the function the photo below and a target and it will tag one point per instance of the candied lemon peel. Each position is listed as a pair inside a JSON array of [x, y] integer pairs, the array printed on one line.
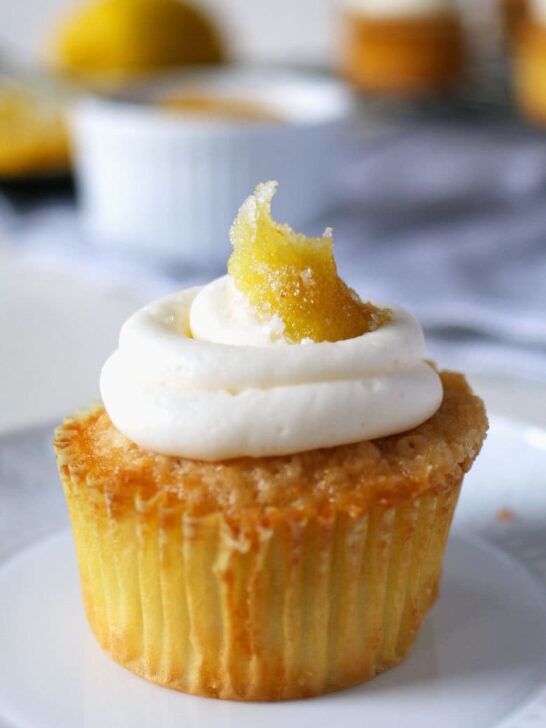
[[286, 274]]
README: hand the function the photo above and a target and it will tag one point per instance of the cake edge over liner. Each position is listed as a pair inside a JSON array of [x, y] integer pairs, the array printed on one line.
[[349, 478]]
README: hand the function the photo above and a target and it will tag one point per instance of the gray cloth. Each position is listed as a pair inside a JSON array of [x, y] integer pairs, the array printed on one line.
[[450, 221]]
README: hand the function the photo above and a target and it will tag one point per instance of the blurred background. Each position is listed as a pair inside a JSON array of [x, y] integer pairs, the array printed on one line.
[[257, 31], [131, 131]]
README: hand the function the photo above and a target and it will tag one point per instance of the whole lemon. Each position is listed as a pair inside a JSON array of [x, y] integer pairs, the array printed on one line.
[[117, 38]]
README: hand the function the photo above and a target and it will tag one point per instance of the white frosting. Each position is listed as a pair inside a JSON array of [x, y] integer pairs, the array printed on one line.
[[538, 10], [236, 389], [220, 313], [401, 8]]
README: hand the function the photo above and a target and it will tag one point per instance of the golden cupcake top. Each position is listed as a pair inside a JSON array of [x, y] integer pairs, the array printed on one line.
[[118, 38], [349, 478]]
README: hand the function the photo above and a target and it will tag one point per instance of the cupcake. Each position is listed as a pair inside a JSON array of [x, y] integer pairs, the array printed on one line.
[[260, 508], [409, 47], [529, 63]]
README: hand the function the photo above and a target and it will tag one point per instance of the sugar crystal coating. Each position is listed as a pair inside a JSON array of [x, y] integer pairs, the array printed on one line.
[[293, 277]]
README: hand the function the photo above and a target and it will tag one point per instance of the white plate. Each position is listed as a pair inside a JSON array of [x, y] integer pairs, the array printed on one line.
[[479, 662]]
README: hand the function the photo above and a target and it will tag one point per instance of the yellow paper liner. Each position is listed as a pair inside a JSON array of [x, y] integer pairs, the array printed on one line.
[[286, 610]]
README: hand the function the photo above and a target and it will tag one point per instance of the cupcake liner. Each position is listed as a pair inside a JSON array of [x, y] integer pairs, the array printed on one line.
[[288, 607]]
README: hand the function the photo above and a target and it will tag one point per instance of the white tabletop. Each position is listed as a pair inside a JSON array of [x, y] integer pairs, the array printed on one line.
[[55, 331]]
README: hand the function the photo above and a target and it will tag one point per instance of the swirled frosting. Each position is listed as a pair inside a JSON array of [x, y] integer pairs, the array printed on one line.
[[199, 375]]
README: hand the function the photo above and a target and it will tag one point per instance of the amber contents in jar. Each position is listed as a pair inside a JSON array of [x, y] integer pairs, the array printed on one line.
[[404, 55], [221, 108]]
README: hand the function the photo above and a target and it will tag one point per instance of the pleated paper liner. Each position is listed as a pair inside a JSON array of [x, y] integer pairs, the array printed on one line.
[[290, 609]]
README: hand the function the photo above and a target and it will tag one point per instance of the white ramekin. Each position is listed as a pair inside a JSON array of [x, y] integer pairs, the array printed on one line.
[[168, 187]]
